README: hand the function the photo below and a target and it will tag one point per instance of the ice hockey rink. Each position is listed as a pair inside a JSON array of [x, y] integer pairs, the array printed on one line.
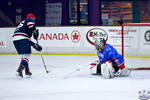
[[65, 82]]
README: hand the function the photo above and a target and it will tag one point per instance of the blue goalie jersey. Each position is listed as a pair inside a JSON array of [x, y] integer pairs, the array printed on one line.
[[110, 53]]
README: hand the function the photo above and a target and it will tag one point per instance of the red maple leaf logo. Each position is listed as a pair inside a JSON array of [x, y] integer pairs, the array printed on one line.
[[75, 36]]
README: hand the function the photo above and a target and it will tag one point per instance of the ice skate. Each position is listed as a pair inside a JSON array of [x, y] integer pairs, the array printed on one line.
[[28, 73], [19, 72]]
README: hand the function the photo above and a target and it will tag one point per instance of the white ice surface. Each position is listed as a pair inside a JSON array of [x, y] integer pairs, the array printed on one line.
[[64, 82]]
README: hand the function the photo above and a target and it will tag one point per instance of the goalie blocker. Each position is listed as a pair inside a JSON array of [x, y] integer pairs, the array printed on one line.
[[107, 70]]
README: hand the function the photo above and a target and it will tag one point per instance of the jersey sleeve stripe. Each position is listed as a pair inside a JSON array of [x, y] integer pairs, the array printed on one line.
[[20, 34], [30, 24]]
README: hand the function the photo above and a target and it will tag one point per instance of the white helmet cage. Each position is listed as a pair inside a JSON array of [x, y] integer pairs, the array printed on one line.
[[99, 43]]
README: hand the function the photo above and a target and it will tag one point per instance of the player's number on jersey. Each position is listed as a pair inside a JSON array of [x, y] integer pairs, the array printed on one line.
[[20, 25]]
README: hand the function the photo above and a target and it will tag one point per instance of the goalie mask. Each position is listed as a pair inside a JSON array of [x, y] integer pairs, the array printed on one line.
[[99, 44]]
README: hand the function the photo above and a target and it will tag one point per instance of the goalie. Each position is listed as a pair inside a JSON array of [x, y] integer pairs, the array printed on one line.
[[109, 63]]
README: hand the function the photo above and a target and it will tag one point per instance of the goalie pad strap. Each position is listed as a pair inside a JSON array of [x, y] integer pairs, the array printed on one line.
[[122, 66]]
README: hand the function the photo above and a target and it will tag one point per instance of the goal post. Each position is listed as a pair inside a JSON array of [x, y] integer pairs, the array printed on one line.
[[135, 41]]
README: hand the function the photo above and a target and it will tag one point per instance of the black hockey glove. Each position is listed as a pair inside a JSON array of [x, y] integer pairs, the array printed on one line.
[[37, 47], [36, 34]]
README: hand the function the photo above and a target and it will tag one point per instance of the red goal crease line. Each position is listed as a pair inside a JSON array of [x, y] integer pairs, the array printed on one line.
[[144, 68]]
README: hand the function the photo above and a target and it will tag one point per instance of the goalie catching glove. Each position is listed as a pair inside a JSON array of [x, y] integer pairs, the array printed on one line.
[[95, 67], [36, 46]]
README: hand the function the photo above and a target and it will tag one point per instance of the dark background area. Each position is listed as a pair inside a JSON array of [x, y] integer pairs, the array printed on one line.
[[9, 9]]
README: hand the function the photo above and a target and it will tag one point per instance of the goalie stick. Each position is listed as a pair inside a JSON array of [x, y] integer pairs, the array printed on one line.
[[68, 75]]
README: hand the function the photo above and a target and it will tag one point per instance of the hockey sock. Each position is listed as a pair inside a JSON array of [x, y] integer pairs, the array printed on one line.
[[24, 62]]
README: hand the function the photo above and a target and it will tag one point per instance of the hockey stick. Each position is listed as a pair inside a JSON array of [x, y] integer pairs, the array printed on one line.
[[44, 62], [43, 59]]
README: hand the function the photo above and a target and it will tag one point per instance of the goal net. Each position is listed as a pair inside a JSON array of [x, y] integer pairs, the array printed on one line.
[[136, 45]]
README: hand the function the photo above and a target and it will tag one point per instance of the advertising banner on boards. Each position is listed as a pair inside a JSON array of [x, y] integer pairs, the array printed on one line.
[[60, 37], [3, 40], [84, 36]]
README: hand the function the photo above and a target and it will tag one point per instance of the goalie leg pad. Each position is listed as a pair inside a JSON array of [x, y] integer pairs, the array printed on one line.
[[125, 72], [107, 70]]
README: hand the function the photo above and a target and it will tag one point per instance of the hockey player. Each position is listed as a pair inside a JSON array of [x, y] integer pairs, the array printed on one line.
[[21, 40], [110, 63]]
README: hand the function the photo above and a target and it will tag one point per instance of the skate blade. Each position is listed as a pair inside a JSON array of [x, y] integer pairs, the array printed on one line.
[[19, 77], [28, 76]]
